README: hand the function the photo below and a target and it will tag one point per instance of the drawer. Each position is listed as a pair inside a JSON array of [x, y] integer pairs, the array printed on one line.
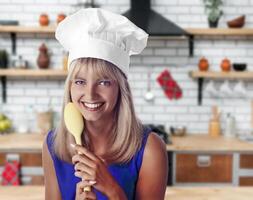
[[246, 181], [246, 161], [27, 159], [204, 168]]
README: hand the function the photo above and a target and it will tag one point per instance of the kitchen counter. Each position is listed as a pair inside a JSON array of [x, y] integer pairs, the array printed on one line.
[[172, 193], [33, 142], [208, 193], [207, 143], [21, 142]]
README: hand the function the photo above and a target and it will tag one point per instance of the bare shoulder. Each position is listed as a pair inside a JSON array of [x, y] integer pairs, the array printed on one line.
[[154, 145], [154, 170]]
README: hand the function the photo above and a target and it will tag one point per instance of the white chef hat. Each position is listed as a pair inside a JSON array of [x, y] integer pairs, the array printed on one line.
[[97, 33]]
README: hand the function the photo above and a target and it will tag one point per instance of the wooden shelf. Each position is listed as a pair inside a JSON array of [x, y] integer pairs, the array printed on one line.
[[200, 76], [221, 31], [222, 75], [193, 31], [33, 72], [27, 29]]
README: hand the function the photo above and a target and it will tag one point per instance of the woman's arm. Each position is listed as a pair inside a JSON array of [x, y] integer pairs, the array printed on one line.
[[51, 184], [154, 170]]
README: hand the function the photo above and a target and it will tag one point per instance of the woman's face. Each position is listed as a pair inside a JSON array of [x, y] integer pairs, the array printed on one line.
[[95, 97]]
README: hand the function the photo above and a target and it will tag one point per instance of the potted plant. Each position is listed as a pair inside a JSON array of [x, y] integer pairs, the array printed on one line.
[[214, 11]]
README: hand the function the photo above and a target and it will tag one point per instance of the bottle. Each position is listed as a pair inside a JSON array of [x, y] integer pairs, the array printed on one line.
[[230, 126]]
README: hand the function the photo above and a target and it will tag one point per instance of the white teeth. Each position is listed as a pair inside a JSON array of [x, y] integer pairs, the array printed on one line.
[[93, 105]]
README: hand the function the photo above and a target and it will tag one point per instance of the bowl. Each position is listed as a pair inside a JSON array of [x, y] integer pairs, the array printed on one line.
[[239, 66], [237, 22], [178, 130]]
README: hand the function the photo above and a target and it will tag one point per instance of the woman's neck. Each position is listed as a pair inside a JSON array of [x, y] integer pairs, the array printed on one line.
[[98, 135]]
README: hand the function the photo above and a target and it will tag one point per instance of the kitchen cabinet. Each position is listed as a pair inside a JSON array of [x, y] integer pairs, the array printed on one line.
[[203, 168], [204, 160], [27, 148], [246, 169], [31, 166]]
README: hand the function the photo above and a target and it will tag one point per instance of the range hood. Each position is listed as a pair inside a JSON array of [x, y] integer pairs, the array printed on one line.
[[153, 23]]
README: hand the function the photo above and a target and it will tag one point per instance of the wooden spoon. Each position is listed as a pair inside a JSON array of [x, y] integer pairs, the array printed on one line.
[[74, 122]]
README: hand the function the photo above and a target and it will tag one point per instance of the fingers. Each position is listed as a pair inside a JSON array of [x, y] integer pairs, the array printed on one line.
[[83, 159], [86, 152], [85, 176], [81, 194]]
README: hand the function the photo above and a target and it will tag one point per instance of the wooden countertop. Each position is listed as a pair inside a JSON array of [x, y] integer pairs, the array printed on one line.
[[21, 142], [22, 192], [172, 193], [208, 193], [33, 142], [207, 143]]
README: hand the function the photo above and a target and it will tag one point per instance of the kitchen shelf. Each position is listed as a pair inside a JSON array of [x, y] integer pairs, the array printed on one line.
[[14, 29], [31, 73], [201, 75], [27, 29], [216, 32], [192, 31], [221, 31]]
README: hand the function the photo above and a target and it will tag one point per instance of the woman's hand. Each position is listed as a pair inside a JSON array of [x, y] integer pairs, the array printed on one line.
[[84, 195], [91, 168]]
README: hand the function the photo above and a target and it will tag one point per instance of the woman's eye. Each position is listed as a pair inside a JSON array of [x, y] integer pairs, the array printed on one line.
[[79, 82], [105, 82]]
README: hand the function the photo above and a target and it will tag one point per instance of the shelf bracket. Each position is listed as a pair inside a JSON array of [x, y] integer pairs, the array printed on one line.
[[3, 81], [13, 43], [191, 45], [200, 89]]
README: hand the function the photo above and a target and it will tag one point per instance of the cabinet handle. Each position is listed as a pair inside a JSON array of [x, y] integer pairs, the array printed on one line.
[[203, 161]]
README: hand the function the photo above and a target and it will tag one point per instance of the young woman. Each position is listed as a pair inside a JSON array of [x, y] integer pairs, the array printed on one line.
[[119, 158]]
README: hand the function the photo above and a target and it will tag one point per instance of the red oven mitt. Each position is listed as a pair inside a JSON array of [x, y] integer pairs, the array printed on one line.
[[169, 85], [10, 174]]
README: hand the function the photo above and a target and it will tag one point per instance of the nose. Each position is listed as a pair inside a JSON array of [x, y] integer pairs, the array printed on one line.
[[90, 92]]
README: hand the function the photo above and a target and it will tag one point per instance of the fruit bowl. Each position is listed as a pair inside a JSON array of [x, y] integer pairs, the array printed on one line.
[[237, 22]]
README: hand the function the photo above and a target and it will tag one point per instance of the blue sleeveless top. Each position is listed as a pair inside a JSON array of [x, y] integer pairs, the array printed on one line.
[[126, 175]]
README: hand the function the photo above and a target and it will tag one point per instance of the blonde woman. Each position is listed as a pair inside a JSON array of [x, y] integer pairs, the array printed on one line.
[[119, 159]]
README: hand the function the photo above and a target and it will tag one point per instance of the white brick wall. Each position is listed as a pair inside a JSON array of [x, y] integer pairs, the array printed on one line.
[[160, 54]]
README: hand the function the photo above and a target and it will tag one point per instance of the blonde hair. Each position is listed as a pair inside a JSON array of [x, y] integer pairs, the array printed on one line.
[[128, 131]]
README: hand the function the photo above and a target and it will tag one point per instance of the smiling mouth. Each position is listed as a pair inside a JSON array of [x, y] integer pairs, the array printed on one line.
[[92, 106]]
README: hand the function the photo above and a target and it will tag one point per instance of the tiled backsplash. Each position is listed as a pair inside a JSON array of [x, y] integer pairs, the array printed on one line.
[[160, 54]]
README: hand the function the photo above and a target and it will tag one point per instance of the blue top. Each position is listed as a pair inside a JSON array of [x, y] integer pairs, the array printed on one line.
[[126, 175]]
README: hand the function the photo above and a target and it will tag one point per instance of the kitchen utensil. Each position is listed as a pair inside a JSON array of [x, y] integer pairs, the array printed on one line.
[[149, 95], [74, 122], [237, 22], [239, 66]]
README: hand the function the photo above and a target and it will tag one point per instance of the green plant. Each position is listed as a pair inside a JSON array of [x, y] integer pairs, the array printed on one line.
[[213, 9]]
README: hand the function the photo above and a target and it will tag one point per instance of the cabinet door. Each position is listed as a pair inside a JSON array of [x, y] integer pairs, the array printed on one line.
[[246, 163], [204, 168]]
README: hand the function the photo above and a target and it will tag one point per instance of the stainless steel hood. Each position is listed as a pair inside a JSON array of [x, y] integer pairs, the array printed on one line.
[[153, 23]]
